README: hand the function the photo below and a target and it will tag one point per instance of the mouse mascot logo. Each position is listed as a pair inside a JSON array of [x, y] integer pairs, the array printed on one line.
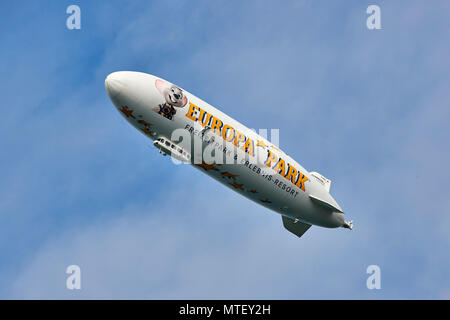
[[173, 96]]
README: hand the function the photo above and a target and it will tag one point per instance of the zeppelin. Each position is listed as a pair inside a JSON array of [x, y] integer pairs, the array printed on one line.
[[194, 132]]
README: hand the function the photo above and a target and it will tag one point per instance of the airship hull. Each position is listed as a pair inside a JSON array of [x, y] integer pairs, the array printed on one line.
[[243, 160]]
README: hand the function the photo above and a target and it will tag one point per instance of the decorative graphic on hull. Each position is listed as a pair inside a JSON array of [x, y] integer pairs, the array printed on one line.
[[173, 98]]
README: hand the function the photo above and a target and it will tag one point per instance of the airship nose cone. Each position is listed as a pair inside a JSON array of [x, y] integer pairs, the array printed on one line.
[[114, 84]]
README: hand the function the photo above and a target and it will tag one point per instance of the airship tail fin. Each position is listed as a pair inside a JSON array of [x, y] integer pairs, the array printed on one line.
[[326, 183], [329, 204], [296, 227]]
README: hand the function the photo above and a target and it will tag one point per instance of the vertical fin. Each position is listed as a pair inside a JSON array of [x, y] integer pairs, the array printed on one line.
[[298, 228], [326, 183]]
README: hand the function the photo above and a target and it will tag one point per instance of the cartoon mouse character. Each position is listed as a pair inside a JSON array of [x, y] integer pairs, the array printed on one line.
[[174, 99]]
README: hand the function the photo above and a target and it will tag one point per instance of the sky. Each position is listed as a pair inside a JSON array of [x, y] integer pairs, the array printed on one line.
[[369, 109]]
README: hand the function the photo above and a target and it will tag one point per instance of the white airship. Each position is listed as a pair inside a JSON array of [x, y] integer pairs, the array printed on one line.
[[243, 160]]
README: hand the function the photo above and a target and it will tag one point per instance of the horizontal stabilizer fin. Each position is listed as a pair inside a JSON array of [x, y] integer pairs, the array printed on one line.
[[325, 204], [298, 228]]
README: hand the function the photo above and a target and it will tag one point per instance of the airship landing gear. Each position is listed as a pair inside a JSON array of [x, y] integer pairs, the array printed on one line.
[[348, 225]]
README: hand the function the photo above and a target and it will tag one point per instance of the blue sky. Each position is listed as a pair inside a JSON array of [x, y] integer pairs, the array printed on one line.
[[368, 109]]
